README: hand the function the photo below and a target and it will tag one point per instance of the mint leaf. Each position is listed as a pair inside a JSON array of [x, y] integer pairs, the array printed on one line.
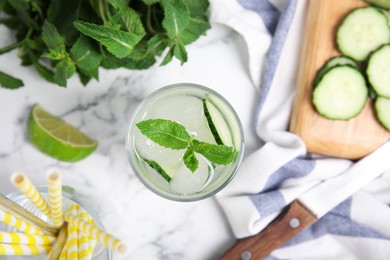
[[19, 5], [158, 169], [168, 57], [118, 4], [197, 8], [190, 160], [84, 79], [216, 153], [7, 81], [62, 14], [165, 133], [176, 18], [150, 2], [180, 52], [64, 70], [196, 28], [86, 54], [52, 39], [44, 72], [118, 43], [132, 21], [157, 44]]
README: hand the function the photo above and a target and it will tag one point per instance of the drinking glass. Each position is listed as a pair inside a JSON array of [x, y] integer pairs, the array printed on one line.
[[201, 111]]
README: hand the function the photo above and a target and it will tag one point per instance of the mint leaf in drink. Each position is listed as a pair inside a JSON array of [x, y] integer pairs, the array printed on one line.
[[190, 160], [165, 133], [216, 153], [7, 81], [118, 43]]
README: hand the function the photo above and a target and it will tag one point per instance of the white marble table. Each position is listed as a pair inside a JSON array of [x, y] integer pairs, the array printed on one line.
[[153, 227]]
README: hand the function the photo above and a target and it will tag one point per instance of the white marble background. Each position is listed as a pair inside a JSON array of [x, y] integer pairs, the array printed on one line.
[[152, 227]]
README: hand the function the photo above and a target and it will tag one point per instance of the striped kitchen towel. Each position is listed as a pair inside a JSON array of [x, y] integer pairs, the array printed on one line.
[[281, 169]]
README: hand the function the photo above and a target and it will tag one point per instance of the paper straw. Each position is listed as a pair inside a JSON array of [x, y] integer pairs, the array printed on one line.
[[18, 223], [25, 239], [21, 181], [20, 212], [96, 233], [55, 198], [73, 234], [59, 244], [12, 249], [86, 243]]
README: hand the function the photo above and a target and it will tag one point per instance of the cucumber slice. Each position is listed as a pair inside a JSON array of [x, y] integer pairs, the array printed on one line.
[[159, 169], [381, 3], [341, 94], [378, 71], [335, 61], [217, 124], [382, 108], [363, 31]]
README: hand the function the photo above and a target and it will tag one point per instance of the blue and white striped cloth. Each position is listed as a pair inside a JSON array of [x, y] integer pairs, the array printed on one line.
[[281, 170]]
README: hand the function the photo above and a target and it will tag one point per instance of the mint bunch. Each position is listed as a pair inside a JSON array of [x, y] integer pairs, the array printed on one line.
[[63, 37], [173, 135]]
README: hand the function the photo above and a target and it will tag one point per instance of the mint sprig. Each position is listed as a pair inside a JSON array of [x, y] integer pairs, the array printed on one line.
[[173, 135], [61, 38]]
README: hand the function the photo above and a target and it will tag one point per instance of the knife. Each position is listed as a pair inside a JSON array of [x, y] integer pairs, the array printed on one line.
[[310, 206]]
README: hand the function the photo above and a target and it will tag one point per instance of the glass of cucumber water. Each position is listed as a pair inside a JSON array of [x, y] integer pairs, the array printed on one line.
[[185, 142]]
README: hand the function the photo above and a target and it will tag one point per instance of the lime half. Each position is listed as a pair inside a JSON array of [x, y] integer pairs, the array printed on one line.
[[56, 138]]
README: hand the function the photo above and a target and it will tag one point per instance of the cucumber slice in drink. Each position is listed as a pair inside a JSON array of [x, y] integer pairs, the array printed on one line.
[[159, 169], [378, 71], [362, 31], [382, 108], [217, 124], [335, 61], [341, 94]]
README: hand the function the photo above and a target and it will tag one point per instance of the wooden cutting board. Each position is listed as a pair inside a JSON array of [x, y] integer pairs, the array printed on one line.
[[350, 139]]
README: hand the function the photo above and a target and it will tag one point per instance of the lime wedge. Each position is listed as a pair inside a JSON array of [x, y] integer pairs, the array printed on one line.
[[56, 138]]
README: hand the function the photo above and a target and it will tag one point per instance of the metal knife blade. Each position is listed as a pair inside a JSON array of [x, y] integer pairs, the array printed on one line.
[[309, 207]]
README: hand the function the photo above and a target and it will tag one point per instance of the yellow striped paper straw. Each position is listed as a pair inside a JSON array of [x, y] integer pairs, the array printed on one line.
[[19, 223], [13, 249], [73, 234], [25, 239], [86, 243], [21, 181], [55, 198], [96, 233]]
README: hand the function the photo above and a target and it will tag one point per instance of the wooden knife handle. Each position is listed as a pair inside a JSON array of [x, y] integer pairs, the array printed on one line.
[[290, 222]]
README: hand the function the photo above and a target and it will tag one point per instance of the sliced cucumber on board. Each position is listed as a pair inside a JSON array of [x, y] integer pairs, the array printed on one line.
[[217, 124], [382, 108], [341, 93], [378, 71], [381, 3], [335, 61], [362, 31]]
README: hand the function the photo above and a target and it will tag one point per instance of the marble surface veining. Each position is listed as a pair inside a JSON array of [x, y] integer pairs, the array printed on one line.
[[152, 227]]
